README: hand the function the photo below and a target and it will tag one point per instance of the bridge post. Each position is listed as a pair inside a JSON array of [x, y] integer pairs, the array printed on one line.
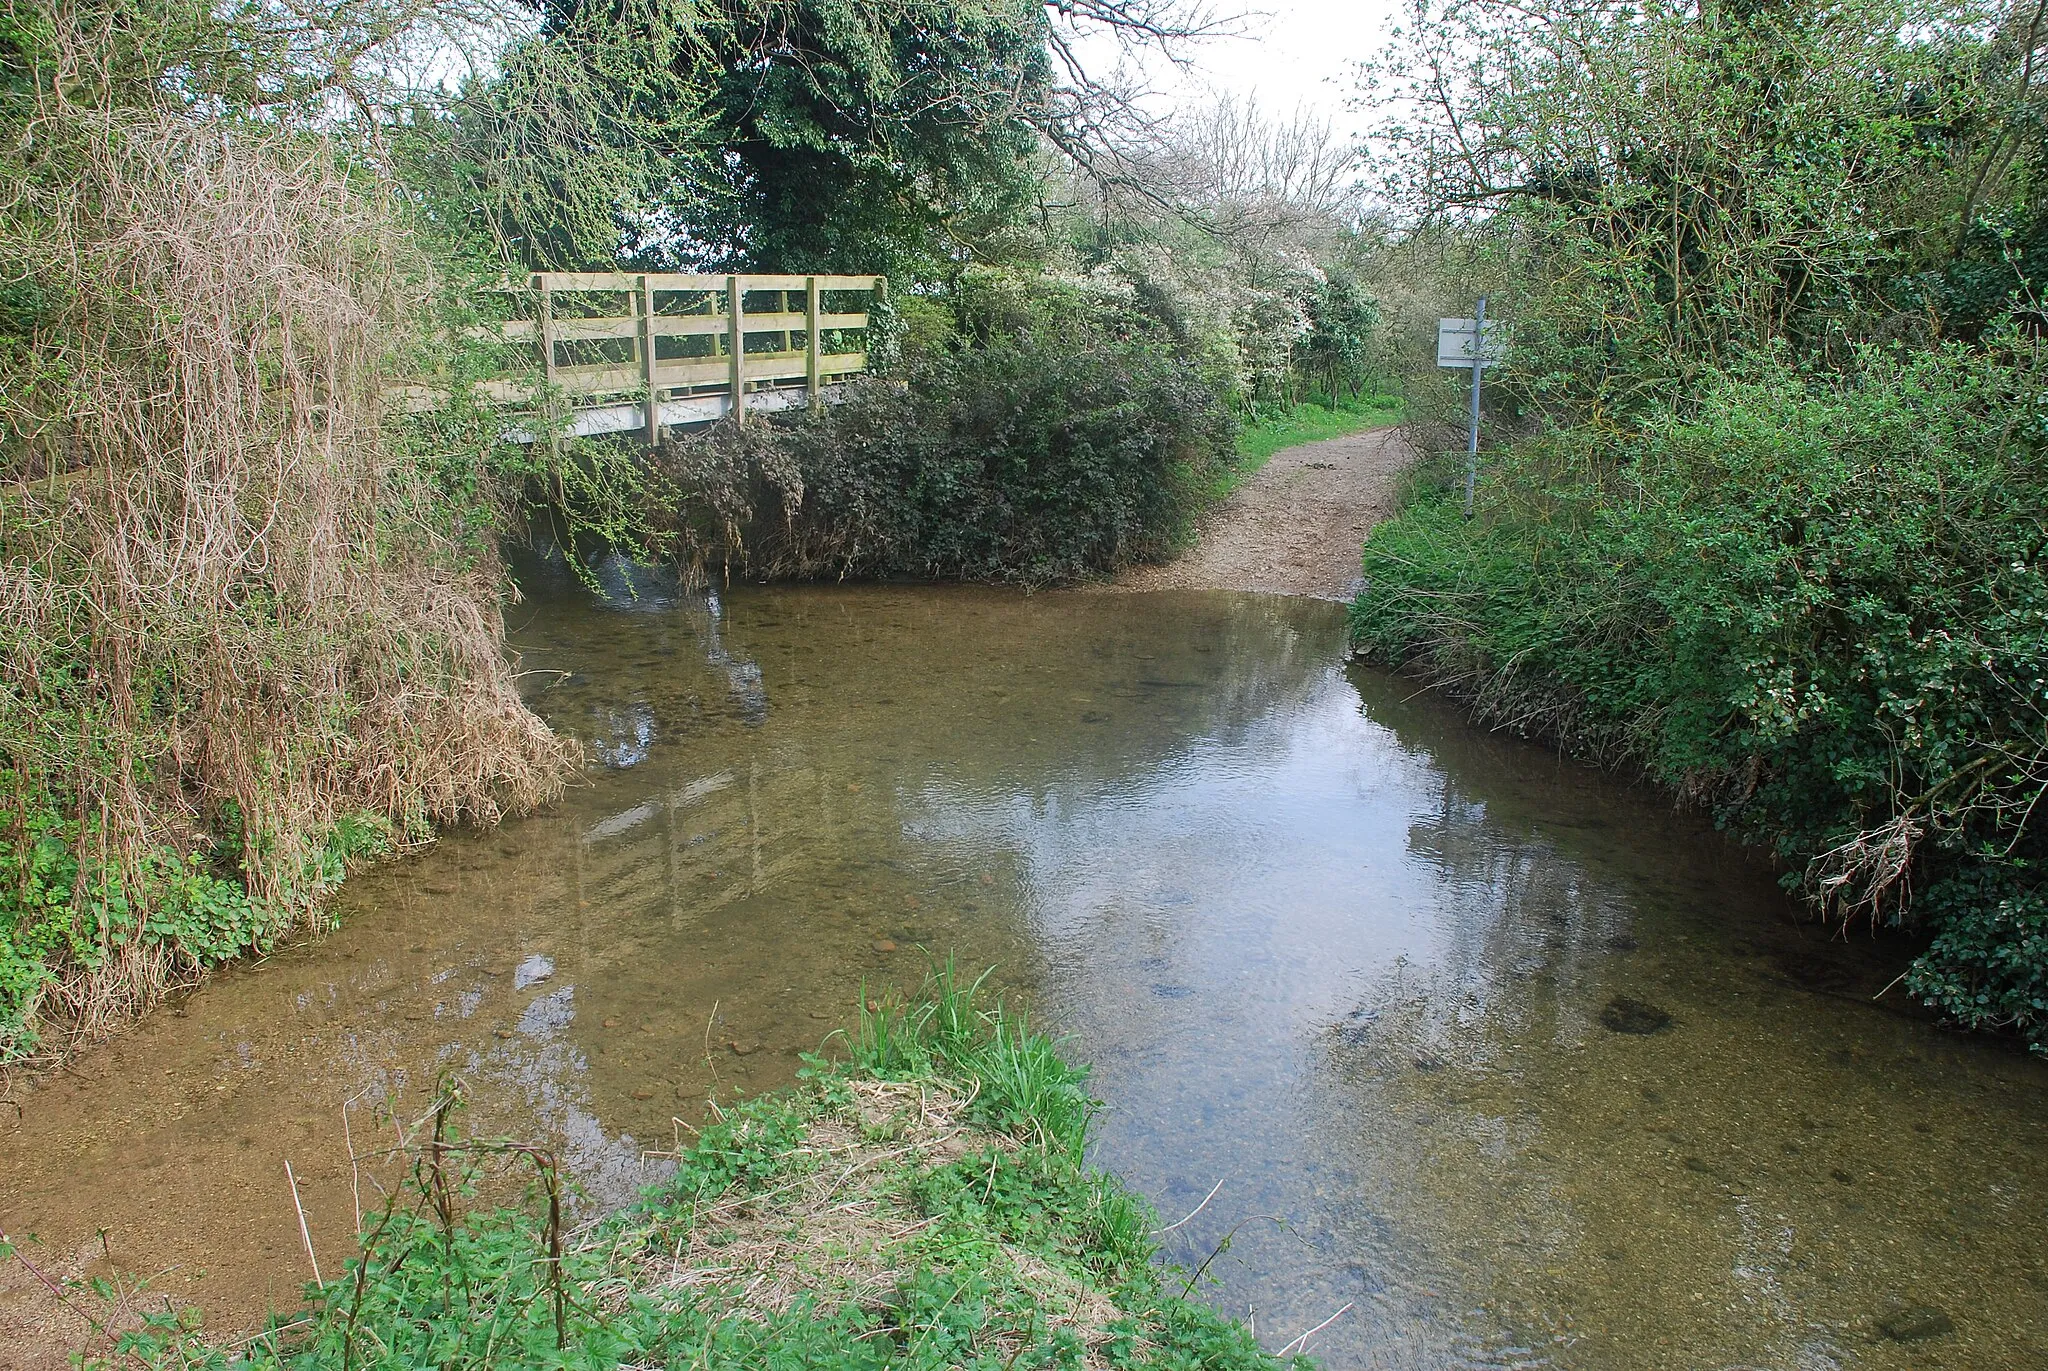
[[812, 344], [736, 344], [646, 304]]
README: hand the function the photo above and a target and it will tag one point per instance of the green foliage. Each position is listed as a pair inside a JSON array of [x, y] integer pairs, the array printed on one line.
[[1818, 605], [1654, 193], [1031, 1198], [748, 1147], [1767, 520], [865, 137], [1021, 1085], [1987, 966], [1342, 350], [574, 146], [62, 920], [765, 135], [1055, 434]]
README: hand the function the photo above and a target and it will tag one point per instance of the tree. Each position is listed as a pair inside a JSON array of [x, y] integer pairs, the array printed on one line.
[[1344, 324], [1663, 188], [905, 136], [863, 137]]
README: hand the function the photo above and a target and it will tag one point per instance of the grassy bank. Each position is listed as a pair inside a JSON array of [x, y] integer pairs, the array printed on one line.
[[921, 1202], [1272, 429], [1772, 536]]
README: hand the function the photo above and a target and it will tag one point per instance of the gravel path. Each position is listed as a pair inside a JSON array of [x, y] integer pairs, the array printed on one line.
[[1296, 526]]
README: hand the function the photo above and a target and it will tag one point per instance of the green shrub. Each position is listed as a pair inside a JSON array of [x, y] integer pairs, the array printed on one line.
[[1051, 435], [1818, 606]]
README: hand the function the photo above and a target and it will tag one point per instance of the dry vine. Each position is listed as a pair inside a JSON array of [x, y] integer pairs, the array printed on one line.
[[232, 601]]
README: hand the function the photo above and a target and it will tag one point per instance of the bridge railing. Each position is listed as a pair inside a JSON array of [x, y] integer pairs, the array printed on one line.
[[643, 349]]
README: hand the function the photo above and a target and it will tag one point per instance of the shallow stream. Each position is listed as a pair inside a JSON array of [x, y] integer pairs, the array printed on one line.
[[1338, 960]]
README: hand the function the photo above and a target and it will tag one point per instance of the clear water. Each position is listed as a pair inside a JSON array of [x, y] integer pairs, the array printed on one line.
[[1337, 959]]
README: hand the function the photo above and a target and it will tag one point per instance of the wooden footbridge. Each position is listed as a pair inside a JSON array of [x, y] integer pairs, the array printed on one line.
[[624, 351]]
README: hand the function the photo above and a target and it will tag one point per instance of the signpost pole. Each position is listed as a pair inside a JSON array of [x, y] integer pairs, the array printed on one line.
[[1472, 437]]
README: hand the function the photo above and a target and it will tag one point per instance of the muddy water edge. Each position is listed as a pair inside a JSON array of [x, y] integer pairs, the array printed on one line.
[[1487, 1055]]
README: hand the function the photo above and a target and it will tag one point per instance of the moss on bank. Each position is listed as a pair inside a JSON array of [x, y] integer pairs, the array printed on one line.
[[923, 1203]]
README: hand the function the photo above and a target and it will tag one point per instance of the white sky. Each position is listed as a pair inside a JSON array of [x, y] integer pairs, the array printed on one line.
[[1299, 52]]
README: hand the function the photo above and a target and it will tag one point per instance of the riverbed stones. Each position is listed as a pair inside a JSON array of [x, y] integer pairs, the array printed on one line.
[[1625, 1015], [1915, 1323]]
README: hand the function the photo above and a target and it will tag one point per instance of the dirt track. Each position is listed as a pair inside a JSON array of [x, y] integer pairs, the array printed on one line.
[[1294, 528]]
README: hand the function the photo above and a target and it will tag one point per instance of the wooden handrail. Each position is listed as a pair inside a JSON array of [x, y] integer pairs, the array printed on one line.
[[681, 281], [720, 316], [701, 384]]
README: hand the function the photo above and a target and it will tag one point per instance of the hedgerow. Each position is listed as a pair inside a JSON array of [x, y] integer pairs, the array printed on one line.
[[1761, 498]]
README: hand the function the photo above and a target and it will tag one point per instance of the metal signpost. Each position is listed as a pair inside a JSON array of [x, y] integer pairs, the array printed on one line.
[[1462, 343]]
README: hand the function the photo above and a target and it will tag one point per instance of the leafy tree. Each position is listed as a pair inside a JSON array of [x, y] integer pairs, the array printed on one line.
[[574, 145], [1655, 191], [865, 137], [1344, 326], [907, 136]]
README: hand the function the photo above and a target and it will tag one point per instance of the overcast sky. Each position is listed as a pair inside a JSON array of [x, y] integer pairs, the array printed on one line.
[[1297, 53]]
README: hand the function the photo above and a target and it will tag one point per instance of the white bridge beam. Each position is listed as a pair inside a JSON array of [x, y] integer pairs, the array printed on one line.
[[628, 415]]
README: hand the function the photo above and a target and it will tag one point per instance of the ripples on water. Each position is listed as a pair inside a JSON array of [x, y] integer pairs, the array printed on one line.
[[1335, 957]]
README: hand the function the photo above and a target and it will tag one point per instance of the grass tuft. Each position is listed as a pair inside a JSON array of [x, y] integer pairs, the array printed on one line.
[[921, 1203]]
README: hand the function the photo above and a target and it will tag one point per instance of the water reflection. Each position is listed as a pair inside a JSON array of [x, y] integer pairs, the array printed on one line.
[[1338, 960]]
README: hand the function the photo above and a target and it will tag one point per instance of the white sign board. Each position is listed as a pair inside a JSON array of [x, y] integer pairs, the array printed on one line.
[[1456, 343]]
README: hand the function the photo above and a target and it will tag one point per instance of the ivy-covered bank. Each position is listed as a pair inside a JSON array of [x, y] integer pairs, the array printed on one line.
[[923, 1203]]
